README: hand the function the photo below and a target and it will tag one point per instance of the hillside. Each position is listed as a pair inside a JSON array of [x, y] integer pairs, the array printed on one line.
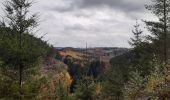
[[100, 53]]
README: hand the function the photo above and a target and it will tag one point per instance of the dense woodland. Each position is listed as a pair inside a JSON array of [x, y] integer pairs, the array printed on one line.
[[31, 69]]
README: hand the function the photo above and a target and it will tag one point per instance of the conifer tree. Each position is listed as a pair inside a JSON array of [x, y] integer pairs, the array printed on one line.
[[136, 41], [20, 22], [160, 29]]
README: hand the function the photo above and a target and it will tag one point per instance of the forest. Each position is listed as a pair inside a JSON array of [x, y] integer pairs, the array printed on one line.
[[33, 69]]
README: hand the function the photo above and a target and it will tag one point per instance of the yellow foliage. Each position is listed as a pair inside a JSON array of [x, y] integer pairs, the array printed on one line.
[[65, 80], [73, 54], [168, 75], [154, 81], [98, 89], [48, 89]]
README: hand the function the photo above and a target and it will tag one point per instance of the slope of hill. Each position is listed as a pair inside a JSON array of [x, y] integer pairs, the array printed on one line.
[[100, 53]]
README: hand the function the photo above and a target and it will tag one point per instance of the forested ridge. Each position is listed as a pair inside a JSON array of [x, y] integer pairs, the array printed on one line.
[[32, 69]]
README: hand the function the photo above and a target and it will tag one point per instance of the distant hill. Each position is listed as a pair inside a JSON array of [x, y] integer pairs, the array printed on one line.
[[102, 53], [125, 58]]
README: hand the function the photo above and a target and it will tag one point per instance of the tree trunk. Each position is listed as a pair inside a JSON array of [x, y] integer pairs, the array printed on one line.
[[165, 34]]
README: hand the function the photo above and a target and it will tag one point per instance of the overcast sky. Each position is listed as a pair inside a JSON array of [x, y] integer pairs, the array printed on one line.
[[99, 23]]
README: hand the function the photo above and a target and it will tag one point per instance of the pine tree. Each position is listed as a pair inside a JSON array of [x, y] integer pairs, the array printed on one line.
[[20, 23], [134, 87], [17, 12], [160, 29], [137, 40], [140, 52]]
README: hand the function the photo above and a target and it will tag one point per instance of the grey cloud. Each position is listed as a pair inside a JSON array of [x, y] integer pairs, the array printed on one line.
[[132, 8], [97, 22], [123, 5], [92, 41], [75, 27]]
